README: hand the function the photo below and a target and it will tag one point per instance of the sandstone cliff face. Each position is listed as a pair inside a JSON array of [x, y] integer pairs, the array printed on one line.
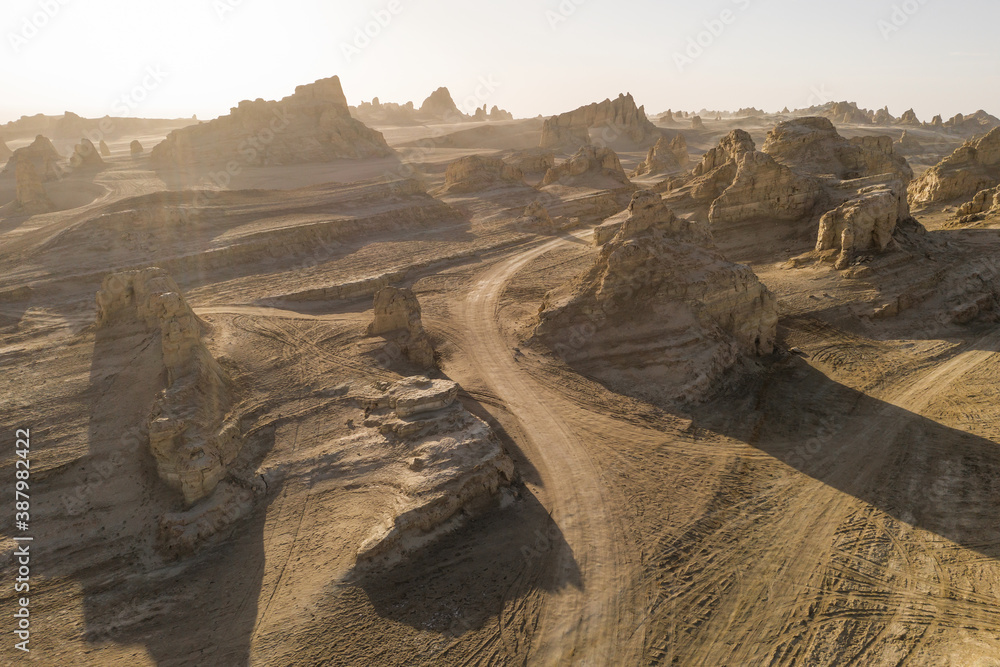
[[477, 172], [397, 318], [454, 467], [193, 436], [589, 161], [973, 167], [865, 222], [661, 314], [313, 125], [619, 118], [666, 155], [30, 194], [762, 188]]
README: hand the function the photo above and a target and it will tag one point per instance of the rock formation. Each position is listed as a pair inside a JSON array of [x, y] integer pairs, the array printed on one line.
[[617, 119], [763, 188], [661, 314], [665, 156], [43, 156], [454, 466], [313, 125], [86, 156], [697, 123], [972, 167], [589, 161], [135, 148], [105, 151], [883, 117], [30, 194], [909, 117], [908, 145], [667, 118], [440, 105], [536, 218], [193, 435], [496, 113], [477, 172], [985, 201], [397, 318], [865, 222], [531, 161]]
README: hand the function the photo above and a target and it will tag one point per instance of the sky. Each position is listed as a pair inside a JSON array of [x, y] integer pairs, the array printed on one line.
[[157, 59]]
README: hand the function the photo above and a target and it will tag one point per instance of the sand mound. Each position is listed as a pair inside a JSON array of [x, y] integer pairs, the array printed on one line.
[[397, 318], [477, 172], [454, 465], [192, 435], [86, 157], [973, 167], [589, 163], [666, 155], [313, 125], [661, 314], [135, 148], [615, 119]]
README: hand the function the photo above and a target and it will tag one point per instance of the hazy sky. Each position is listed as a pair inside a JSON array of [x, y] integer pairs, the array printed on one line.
[[155, 58]]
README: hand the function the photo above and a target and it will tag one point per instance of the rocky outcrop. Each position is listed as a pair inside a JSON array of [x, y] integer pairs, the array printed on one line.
[[531, 161], [313, 125], [666, 155], [105, 151], [661, 314], [762, 188], [496, 113], [616, 119], [908, 145], [135, 148], [985, 201], [43, 156], [909, 117], [864, 222], [644, 211], [454, 466], [589, 161], [477, 172], [86, 157], [972, 167], [30, 195], [536, 218], [440, 105], [697, 123], [397, 318], [667, 118], [193, 435]]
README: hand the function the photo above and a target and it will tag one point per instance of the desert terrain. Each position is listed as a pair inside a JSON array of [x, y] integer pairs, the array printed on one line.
[[393, 384]]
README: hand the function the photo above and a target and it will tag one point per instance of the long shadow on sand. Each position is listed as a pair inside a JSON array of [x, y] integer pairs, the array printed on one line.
[[199, 610], [923, 473]]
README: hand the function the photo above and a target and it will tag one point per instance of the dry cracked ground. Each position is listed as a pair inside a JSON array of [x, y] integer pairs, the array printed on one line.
[[414, 388]]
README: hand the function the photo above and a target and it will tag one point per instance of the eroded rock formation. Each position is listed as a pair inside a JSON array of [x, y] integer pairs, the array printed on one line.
[[865, 222], [105, 151], [440, 105], [312, 125], [454, 465], [985, 201], [86, 156], [397, 318], [661, 314], [30, 192], [588, 161], [477, 172], [665, 156], [697, 123], [616, 119], [908, 145], [193, 435], [972, 167], [536, 218], [135, 148], [43, 156]]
